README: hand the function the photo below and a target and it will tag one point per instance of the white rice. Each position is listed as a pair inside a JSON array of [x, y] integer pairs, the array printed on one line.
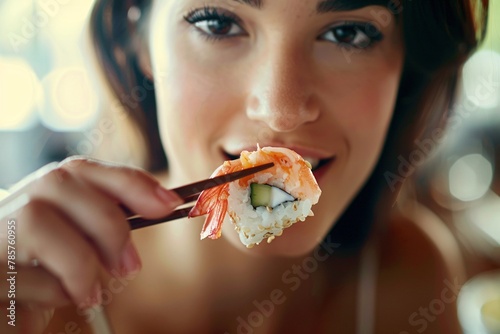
[[256, 224]]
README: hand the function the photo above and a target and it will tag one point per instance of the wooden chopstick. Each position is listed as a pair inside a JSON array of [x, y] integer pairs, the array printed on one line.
[[139, 222], [197, 187], [190, 193]]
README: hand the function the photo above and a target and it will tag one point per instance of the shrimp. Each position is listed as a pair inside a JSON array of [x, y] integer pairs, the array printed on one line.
[[214, 202]]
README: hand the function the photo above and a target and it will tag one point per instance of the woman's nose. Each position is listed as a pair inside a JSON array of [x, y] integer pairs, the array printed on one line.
[[282, 93]]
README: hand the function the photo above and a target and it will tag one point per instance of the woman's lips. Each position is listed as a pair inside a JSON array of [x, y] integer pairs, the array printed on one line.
[[323, 168]]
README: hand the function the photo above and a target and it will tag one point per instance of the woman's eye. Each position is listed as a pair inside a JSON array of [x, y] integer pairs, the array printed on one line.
[[357, 35], [219, 27], [214, 24]]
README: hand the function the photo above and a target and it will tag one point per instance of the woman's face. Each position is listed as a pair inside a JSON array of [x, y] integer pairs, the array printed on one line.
[[302, 74]]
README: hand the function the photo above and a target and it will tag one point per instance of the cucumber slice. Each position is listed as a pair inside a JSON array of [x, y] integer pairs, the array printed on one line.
[[260, 194], [268, 196]]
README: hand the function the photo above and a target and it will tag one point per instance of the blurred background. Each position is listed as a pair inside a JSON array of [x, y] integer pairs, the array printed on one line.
[[49, 106], [46, 97]]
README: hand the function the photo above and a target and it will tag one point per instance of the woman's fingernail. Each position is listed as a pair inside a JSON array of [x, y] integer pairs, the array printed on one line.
[[130, 262], [169, 197]]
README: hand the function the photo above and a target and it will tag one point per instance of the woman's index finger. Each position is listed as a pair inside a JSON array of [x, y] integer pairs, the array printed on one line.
[[134, 188]]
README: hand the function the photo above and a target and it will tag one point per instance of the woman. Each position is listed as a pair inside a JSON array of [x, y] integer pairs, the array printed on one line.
[[350, 85]]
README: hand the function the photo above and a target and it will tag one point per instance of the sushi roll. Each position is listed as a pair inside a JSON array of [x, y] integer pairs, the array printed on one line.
[[262, 205]]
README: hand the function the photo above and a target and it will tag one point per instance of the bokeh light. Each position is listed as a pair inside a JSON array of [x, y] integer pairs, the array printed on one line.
[[20, 94], [71, 102], [470, 177], [481, 79]]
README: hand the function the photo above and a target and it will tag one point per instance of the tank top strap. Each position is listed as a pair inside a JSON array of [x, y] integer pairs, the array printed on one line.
[[367, 288]]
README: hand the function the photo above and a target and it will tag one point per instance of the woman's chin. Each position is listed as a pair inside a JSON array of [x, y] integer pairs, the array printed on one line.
[[298, 240]]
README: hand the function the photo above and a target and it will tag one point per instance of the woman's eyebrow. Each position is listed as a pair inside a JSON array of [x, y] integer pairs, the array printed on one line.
[[326, 6], [252, 3]]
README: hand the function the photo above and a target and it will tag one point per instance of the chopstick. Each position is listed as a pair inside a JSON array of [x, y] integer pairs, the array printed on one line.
[[139, 222], [190, 193]]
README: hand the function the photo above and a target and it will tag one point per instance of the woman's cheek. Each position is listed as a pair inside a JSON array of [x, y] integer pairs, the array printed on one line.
[[194, 112], [188, 91], [373, 108]]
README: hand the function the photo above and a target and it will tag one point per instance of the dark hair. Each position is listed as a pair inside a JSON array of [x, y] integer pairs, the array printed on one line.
[[438, 38]]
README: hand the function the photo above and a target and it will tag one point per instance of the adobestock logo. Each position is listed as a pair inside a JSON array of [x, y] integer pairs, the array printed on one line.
[[293, 278], [484, 91], [425, 315], [115, 285], [110, 123], [41, 17]]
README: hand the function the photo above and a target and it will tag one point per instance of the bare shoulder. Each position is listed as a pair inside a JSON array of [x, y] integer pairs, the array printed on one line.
[[421, 273]]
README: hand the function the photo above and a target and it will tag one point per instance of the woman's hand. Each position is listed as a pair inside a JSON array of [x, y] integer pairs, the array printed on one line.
[[68, 227]]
